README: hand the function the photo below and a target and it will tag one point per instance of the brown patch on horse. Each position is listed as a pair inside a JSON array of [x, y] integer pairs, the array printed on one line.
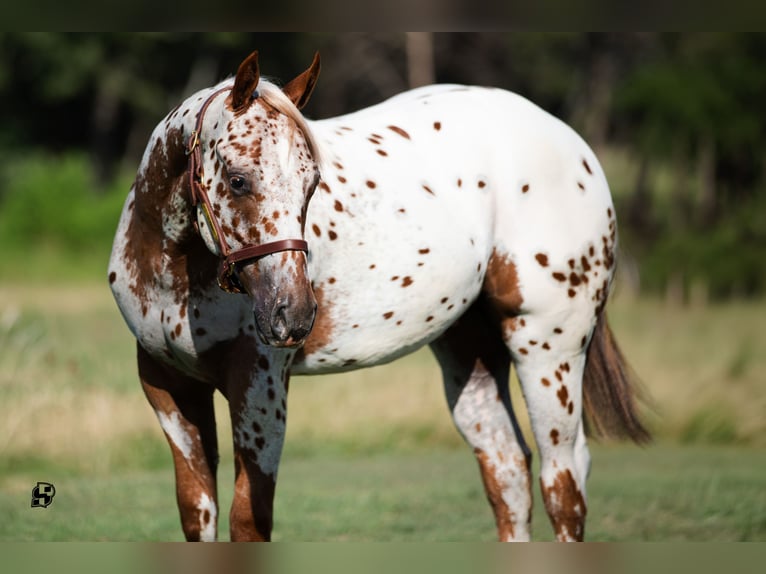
[[163, 176], [399, 131], [323, 329], [494, 490], [251, 519], [565, 505], [501, 285]]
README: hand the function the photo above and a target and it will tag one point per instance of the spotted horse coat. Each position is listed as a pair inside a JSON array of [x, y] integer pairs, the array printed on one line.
[[459, 217]]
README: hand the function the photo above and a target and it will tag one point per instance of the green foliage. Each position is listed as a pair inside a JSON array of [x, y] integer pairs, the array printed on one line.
[[697, 85], [50, 201], [728, 259]]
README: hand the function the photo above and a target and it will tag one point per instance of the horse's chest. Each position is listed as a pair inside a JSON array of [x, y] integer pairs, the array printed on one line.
[[180, 331]]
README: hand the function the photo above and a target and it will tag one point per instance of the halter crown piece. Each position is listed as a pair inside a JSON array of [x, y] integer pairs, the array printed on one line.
[[227, 268]]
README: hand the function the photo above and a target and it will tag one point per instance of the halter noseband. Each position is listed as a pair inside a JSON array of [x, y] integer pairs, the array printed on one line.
[[227, 268]]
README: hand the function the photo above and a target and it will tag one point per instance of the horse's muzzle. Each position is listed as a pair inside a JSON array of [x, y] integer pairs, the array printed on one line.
[[284, 310], [288, 325]]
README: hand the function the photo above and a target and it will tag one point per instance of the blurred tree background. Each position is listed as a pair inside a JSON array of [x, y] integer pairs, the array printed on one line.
[[678, 120]]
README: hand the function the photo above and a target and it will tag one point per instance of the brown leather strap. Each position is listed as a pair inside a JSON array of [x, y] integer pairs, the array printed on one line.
[[194, 149], [196, 174], [256, 251], [227, 269]]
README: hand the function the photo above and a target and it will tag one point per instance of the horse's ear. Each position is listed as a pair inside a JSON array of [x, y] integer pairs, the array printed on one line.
[[245, 83], [299, 89]]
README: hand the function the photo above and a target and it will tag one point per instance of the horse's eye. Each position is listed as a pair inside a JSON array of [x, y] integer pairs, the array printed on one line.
[[238, 184]]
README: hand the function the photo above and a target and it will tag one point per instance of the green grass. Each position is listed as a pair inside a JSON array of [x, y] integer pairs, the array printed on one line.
[[372, 455], [665, 493]]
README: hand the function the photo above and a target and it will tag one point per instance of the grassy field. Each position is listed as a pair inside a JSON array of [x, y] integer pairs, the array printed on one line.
[[372, 455]]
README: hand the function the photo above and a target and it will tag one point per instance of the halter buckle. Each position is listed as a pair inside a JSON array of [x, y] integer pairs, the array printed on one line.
[[228, 280], [193, 142]]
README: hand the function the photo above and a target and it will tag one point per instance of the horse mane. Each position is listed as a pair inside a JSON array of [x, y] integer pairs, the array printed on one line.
[[275, 97]]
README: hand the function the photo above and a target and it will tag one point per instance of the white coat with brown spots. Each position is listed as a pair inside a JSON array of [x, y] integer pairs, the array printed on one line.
[[461, 217]]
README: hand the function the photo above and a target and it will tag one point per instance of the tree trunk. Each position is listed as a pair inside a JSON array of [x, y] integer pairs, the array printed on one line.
[[420, 59], [706, 173], [640, 205], [104, 118]]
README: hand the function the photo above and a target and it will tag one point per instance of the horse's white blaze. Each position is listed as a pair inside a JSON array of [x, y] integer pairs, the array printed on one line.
[[173, 427], [207, 522]]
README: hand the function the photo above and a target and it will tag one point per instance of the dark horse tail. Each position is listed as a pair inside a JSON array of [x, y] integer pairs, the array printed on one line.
[[610, 392]]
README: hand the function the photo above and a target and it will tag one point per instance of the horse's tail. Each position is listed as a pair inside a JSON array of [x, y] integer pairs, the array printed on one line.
[[610, 392]]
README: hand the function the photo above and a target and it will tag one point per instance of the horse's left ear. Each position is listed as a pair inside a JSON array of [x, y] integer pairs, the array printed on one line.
[[245, 83], [299, 89]]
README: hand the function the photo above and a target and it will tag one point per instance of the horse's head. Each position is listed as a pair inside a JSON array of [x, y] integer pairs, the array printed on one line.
[[253, 171]]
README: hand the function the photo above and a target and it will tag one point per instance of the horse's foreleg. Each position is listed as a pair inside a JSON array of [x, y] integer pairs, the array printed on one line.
[[257, 397], [184, 408], [476, 365]]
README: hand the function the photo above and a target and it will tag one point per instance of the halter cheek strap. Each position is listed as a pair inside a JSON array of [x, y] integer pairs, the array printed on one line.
[[227, 268]]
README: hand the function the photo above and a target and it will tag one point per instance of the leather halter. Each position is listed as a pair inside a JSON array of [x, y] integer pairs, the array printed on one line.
[[227, 268]]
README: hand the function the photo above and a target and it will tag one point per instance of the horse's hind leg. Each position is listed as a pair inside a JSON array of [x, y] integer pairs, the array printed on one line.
[[550, 359], [185, 410], [548, 351], [475, 366], [551, 380]]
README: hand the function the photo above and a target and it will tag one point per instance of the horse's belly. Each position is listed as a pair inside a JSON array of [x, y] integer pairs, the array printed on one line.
[[350, 340]]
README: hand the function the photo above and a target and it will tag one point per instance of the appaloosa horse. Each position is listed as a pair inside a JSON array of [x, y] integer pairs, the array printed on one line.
[[464, 218]]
